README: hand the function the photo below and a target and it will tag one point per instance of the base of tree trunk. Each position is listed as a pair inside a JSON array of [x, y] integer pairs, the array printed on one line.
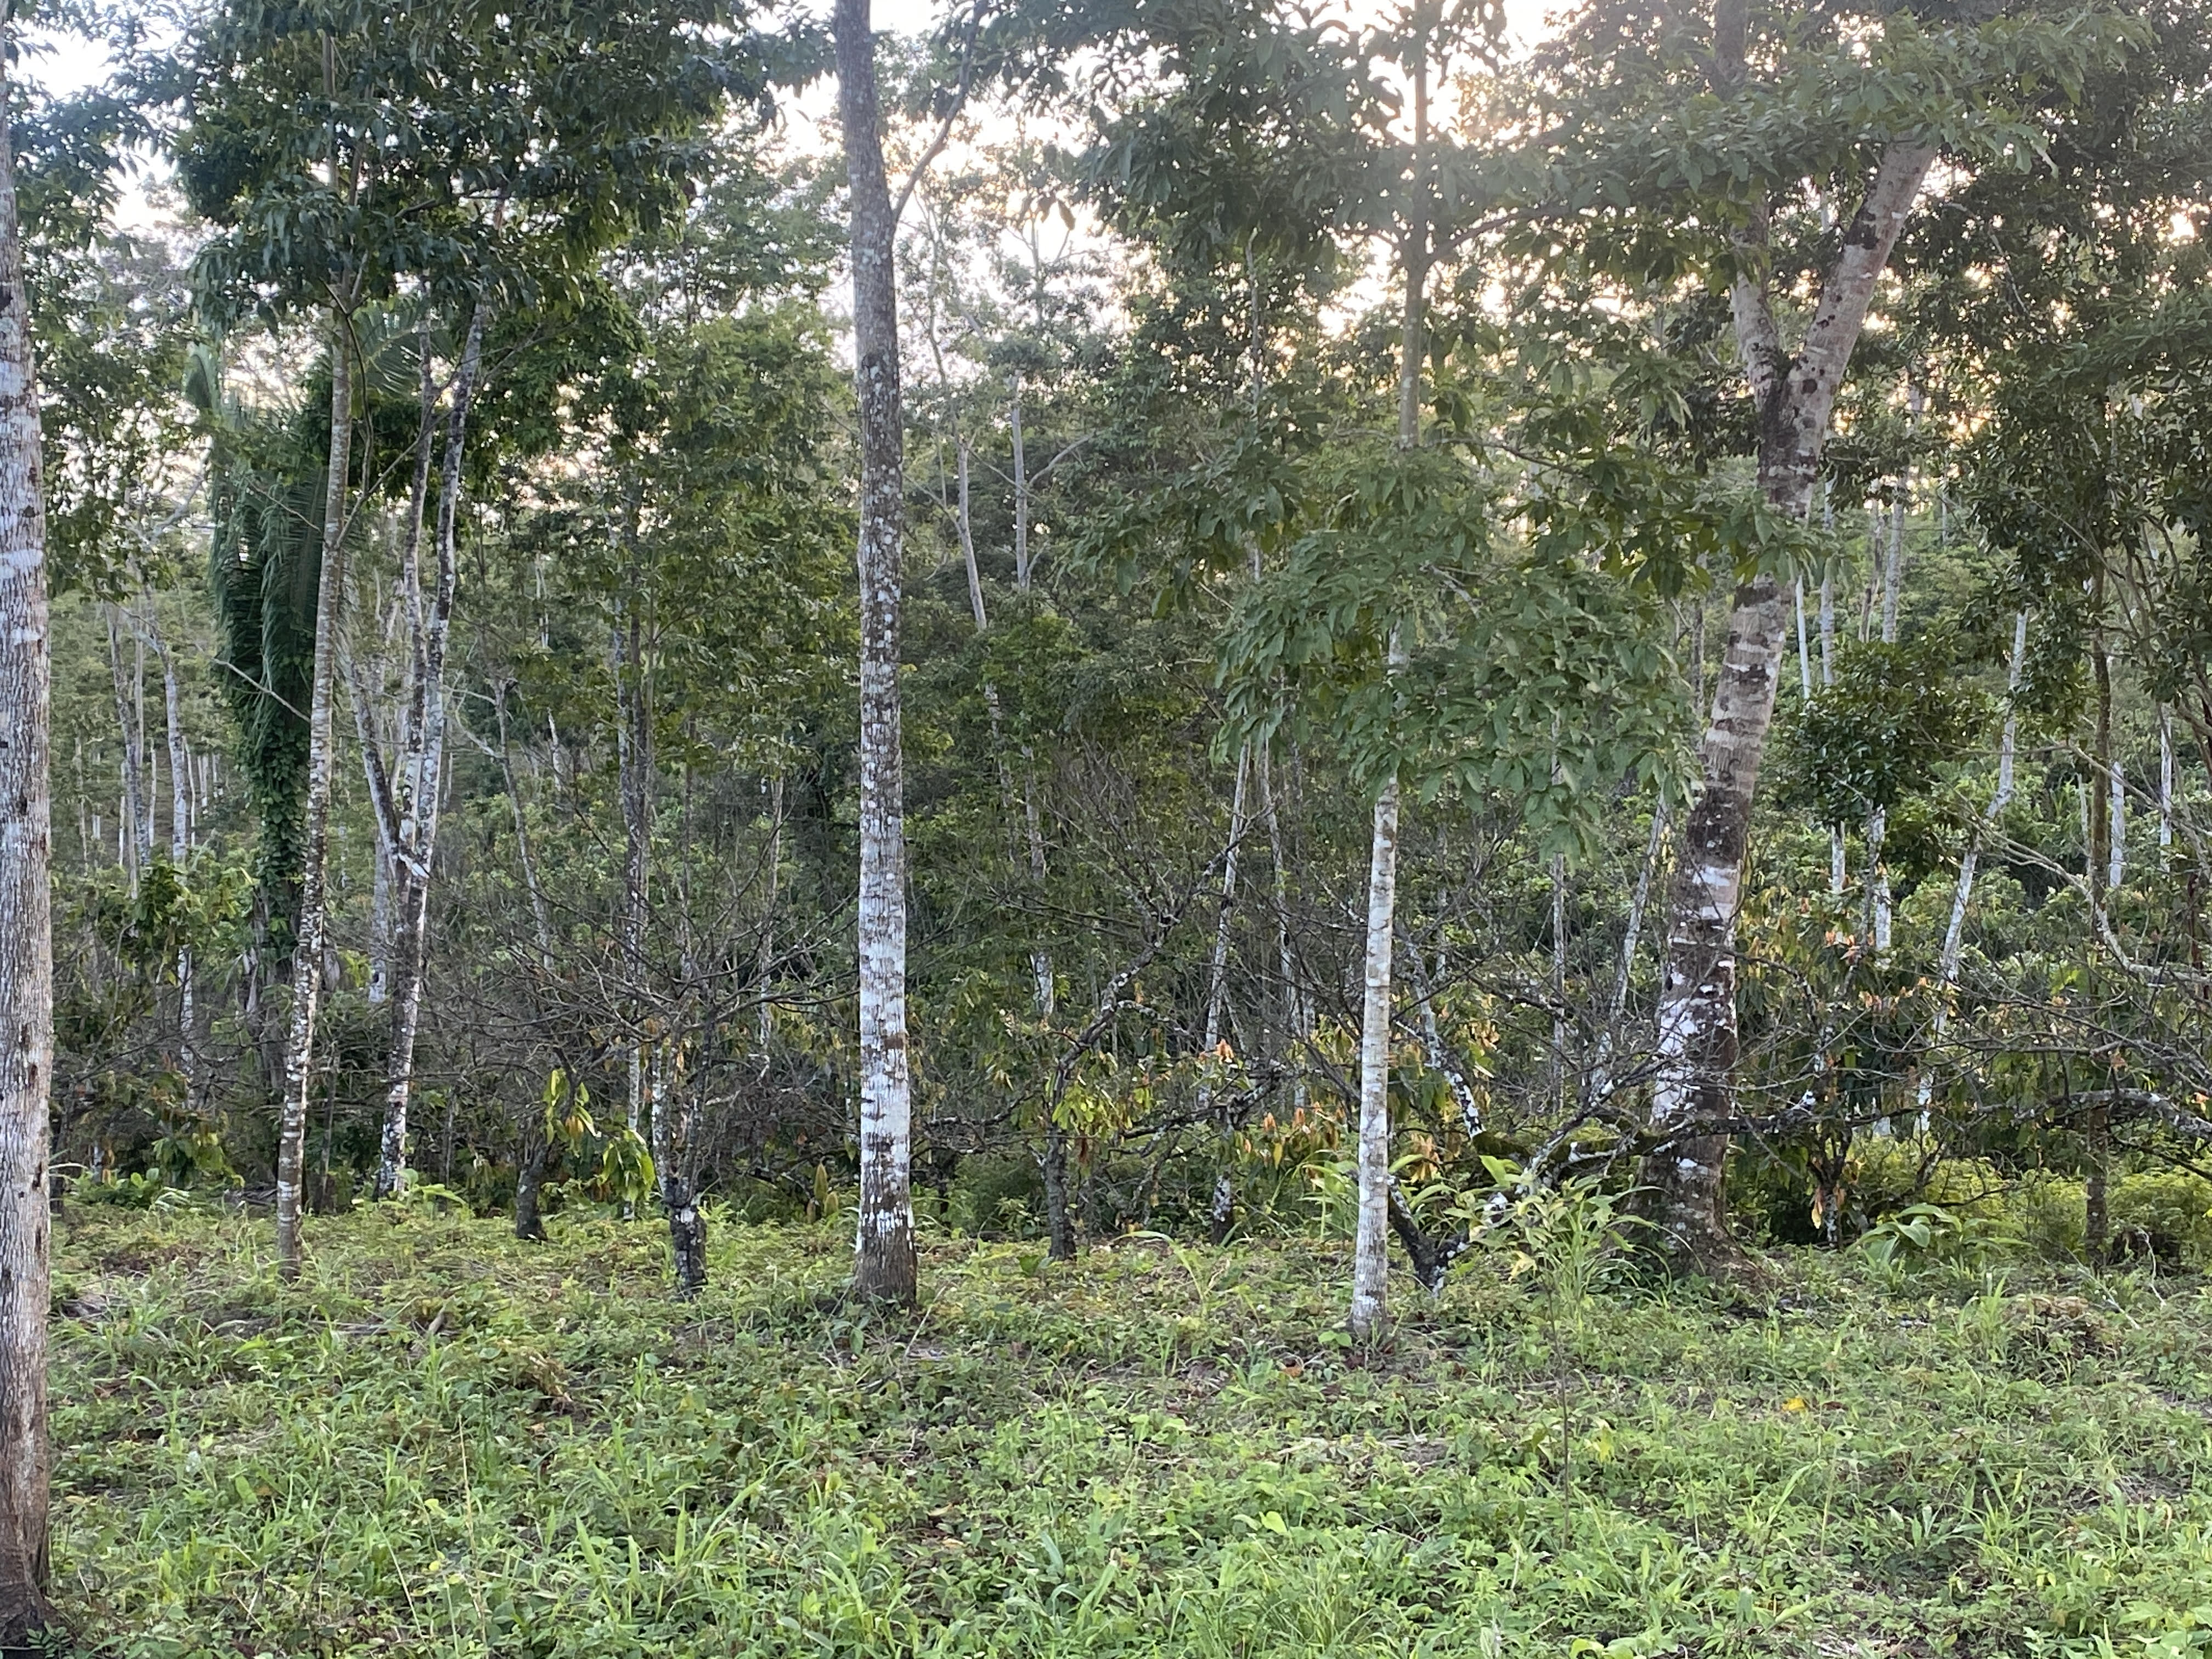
[[1686, 1231], [1058, 1222], [529, 1226], [27, 1630], [887, 1273], [1224, 1208], [687, 1238]]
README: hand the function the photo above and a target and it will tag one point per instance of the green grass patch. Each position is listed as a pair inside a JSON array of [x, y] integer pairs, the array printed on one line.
[[444, 1442]]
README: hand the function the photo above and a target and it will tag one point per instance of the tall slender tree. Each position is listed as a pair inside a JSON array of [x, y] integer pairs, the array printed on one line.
[[884, 1267], [26, 970]]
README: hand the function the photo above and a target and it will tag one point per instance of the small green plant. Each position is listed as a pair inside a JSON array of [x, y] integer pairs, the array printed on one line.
[[1930, 1233]]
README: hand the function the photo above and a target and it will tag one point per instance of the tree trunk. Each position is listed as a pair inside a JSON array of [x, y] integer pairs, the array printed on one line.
[[529, 1180], [1216, 987], [675, 1163], [180, 846], [883, 1255], [137, 839], [421, 769], [1021, 488], [315, 833], [1697, 1029], [26, 980], [1370, 1259]]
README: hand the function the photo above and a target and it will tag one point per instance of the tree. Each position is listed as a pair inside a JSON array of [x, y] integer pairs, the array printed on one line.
[[1771, 131], [885, 1265], [26, 974], [355, 158]]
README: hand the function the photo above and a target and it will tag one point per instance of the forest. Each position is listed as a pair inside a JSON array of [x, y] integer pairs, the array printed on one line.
[[1178, 827]]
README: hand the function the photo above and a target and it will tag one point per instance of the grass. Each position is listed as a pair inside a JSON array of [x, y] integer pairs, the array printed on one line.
[[444, 1442]]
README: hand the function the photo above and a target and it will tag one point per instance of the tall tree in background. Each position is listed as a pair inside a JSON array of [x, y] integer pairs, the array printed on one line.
[[1811, 147], [424, 159], [885, 1265], [27, 977]]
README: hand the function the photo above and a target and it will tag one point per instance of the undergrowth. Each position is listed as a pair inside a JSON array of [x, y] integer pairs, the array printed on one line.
[[441, 1442]]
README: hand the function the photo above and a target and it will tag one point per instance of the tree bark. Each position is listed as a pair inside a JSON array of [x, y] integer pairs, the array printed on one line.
[[421, 769], [180, 848], [138, 837], [1370, 1259], [883, 1255], [1217, 988], [27, 982], [315, 834], [1697, 1028], [1370, 1262]]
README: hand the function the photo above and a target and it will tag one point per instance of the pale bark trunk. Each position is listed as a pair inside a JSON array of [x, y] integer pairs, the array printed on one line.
[[1893, 582], [2165, 777], [1804, 654], [1295, 1023], [633, 747], [1021, 489], [2116, 869], [1837, 875], [180, 848], [1216, 988], [1559, 975], [764, 966], [1600, 1085], [675, 1161], [421, 769], [27, 982], [307, 948], [883, 1263], [1954, 935], [1432, 1043], [1697, 1042], [136, 840], [1370, 1261]]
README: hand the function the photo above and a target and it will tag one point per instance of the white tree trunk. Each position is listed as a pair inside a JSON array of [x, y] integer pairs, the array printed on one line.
[[180, 848], [136, 841], [311, 934], [2116, 868], [1955, 934], [2165, 776], [1370, 1244], [420, 773], [1697, 1043], [884, 1257], [1216, 990], [27, 982]]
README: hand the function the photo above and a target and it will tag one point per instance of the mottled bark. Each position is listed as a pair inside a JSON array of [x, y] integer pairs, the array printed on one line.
[[1695, 1048], [27, 982], [311, 934], [1370, 1259], [1216, 989], [675, 1164], [884, 1257], [420, 772]]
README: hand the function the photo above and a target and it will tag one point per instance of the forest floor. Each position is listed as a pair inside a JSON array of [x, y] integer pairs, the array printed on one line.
[[441, 1442]]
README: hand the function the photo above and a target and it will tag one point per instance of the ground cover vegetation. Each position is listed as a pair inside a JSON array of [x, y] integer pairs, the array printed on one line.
[[1189, 828]]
